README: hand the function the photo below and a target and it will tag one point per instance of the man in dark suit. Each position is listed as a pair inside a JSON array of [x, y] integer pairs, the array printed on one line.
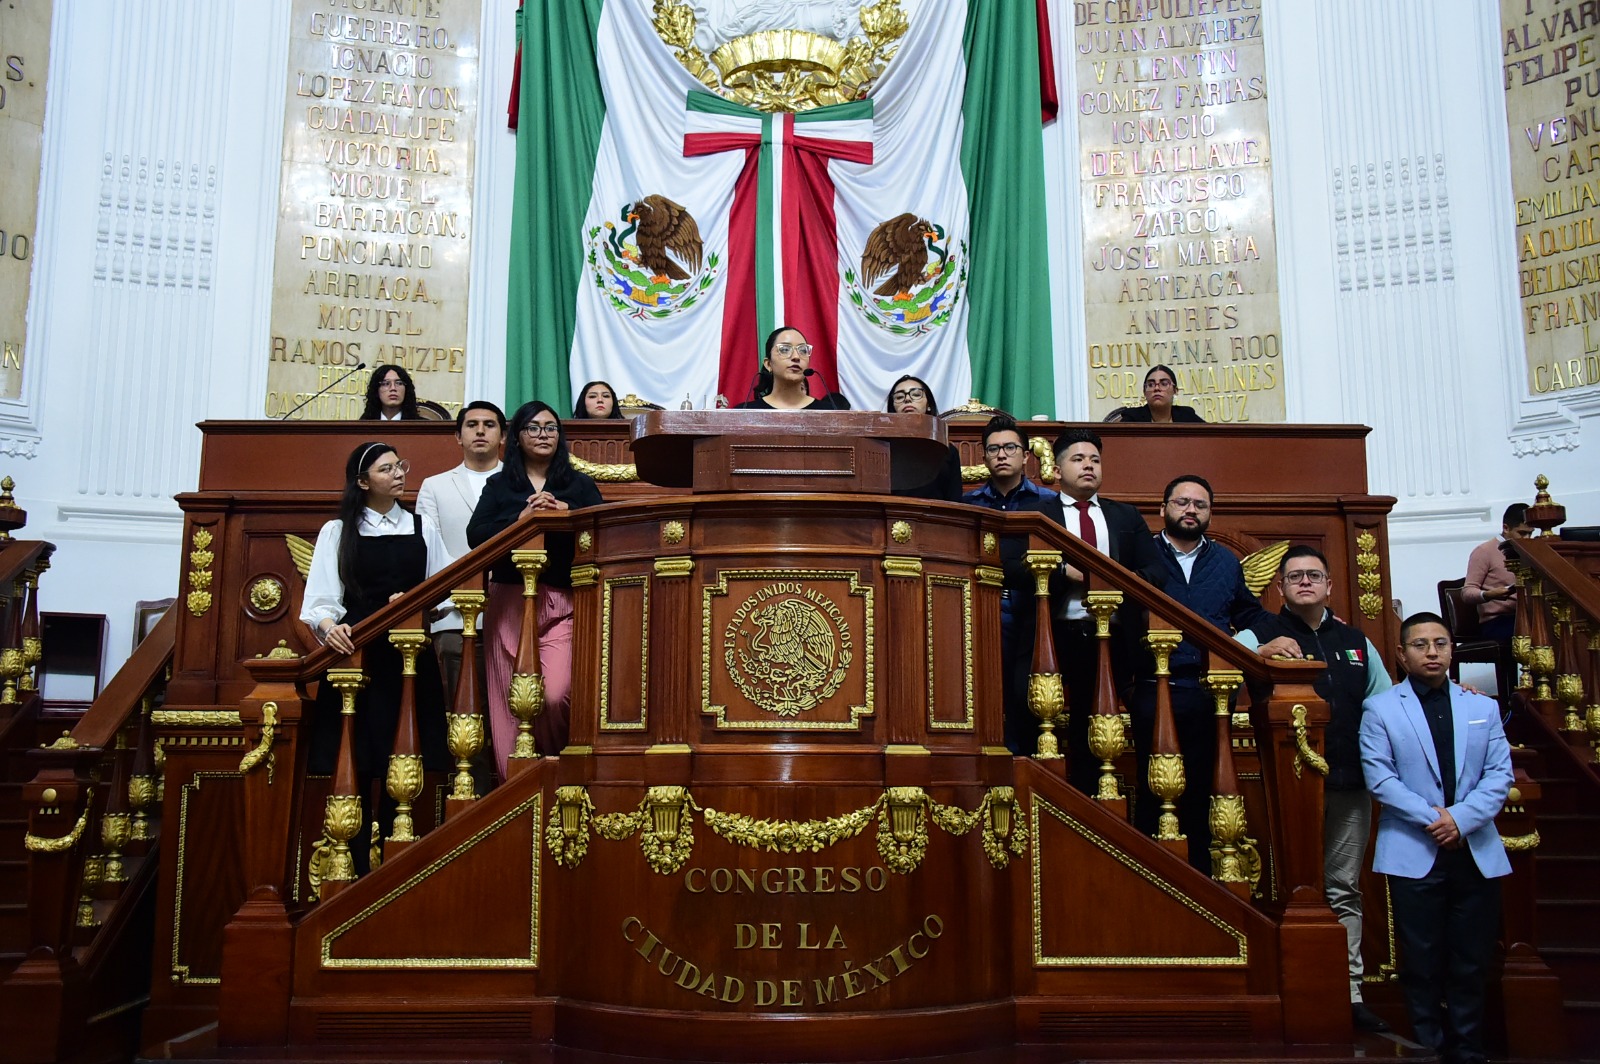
[[1114, 529], [1436, 759], [1009, 489]]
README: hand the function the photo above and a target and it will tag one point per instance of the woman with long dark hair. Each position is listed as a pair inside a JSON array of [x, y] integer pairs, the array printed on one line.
[[373, 552], [391, 396], [596, 400], [782, 382], [1160, 391], [537, 477], [911, 395]]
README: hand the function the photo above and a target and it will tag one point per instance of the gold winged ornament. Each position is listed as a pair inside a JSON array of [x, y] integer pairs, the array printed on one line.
[[1262, 565], [300, 551]]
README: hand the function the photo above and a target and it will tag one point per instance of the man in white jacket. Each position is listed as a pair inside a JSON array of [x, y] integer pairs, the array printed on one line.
[[1436, 759], [449, 498]]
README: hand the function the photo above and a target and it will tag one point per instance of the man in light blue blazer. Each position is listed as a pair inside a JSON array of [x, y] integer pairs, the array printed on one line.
[[1437, 760]]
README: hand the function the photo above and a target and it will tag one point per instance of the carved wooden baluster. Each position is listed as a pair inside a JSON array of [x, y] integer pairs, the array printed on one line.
[[116, 823], [526, 697], [342, 814], [1165, 767], [1569, 678], [1047, 698], [1592, 672], [32, 646], [142, 781], [1541, 656], [466, 714], [1227, 819], [1522, 627], [1107, 739], [404, 779]]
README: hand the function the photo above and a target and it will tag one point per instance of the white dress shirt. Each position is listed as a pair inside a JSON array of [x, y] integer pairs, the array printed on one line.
[[1186, 558], [324, 597], [1074, 609]]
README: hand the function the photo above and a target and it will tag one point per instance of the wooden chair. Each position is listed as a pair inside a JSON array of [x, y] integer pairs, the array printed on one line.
[[1462, 620], [428, 410]]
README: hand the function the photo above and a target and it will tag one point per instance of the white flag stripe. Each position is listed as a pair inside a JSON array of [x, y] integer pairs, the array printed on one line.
[[702, 122], [836, 129], [775, 244]]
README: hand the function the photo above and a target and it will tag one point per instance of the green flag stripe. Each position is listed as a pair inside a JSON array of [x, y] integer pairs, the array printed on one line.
[[838, 112], [560, 115], [1002, 160], [766, 283]]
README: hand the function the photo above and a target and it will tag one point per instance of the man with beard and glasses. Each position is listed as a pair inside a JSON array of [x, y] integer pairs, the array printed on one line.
[[1205, 577]]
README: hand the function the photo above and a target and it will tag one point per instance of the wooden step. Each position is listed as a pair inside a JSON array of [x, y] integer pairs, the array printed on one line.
[[11, 805], [13, 880], [12, 829], [1583, 1027], [1569, 833], [1573, 876], [13, 926], [1578, 968], [1569, 922]]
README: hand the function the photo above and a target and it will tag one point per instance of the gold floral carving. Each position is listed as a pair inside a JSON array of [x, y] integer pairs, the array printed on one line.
[[464, 736], [200, 559], [265, 594], [606, 474], [1165, 772], [263, 748], [1368, 576], [974, 474], [1521, 843], [900, 531], [786, 69], [989, 543], [585, 541], [1042, 450], [903, 828], [672, 533], [404, 783], [566, 835]]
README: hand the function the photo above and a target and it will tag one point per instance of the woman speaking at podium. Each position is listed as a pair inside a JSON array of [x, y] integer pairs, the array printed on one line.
[[373, 552], [781, 384], [537, 478]]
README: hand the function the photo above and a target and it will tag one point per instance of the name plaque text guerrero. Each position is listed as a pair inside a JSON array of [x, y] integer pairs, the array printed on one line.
[[1549, 55], [375, 214], [1180, 257]]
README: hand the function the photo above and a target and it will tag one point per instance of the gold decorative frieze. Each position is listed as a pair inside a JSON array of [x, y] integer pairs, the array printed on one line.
[[195, 718], [669, 568], [606, 474], [200, 561], [1368, 576], [902, 568]]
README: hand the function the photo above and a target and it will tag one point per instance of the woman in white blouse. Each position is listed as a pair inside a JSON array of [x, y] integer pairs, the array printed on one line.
[[372, 553]]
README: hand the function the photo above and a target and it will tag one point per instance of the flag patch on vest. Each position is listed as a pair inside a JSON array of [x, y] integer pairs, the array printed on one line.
[[1355, 657]]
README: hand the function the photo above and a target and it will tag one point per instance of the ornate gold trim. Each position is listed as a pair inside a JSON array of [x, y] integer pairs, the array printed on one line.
[[179, 972], [681, 565], [1369, 576], [266, 593], [61, 844], [1043, 450], [606, 474], [672, 533], [585, 575], [634, 580], [1040, 807], [534, 802], [989, 575], [901, 567], [200, 560], [941, 580], [974, 474], [262, 751], [900, 531], [196, 718], [867, 643], [1303, 754]]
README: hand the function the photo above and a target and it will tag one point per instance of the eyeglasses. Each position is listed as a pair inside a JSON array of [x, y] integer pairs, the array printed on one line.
[[1305, 576], [1158, 382], [389, 469], [392, 382], [542, 428], [1421, 645], [994, 449], [910, 395], [793, 349], [1198, 505]]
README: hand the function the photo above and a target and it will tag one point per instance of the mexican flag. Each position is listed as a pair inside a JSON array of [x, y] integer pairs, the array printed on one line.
[[664, 224]]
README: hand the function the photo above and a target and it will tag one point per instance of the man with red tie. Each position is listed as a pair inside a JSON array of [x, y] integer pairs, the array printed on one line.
[[1114, 529]]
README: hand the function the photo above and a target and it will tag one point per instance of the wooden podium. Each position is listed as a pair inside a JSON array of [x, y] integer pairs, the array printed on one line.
[[784, 813]]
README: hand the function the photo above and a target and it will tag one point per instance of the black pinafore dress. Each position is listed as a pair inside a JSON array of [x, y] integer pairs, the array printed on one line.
[[385, 565]]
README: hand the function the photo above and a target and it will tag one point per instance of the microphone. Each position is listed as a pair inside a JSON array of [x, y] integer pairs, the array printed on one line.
[[828, 399], [324, 391]]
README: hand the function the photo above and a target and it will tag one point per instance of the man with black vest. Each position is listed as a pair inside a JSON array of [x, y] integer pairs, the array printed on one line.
[[1305, 629]]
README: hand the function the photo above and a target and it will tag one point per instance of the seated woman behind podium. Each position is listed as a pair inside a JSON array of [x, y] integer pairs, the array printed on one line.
[[1160, 389], [911, 395], [373, 552], [781, 384], [537, 477], [596, 400], [390, 396]]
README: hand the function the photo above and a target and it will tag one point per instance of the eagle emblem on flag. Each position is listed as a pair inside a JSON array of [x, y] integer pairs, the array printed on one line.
[[915, 281], [650, 262]]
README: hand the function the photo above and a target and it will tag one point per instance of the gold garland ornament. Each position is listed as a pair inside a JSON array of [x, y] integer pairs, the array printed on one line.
[[263, 748], [1303, 754], [664, 819], [606, 474], [1520, 843], [36, 844]]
